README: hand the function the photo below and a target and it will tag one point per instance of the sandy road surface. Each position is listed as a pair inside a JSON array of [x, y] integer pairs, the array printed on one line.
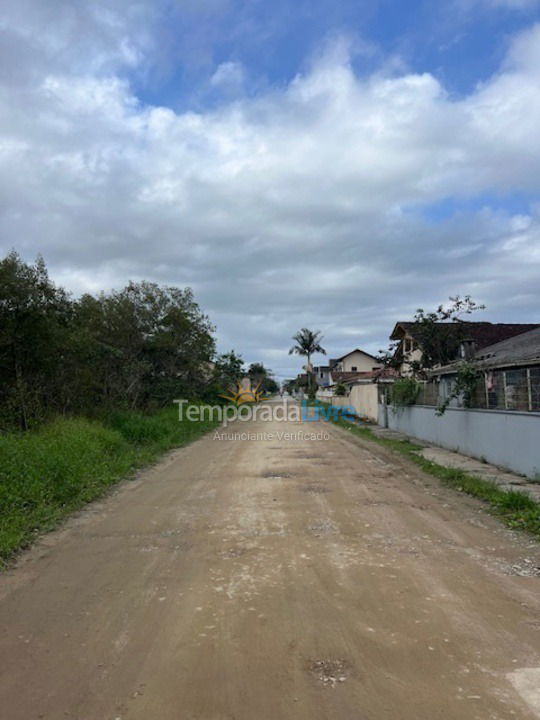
[[273, 580]]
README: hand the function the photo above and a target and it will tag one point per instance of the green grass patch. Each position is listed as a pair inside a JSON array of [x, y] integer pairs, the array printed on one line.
[[48, 473], [516, 509]]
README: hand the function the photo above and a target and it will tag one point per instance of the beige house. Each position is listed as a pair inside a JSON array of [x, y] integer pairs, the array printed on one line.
[[355, 361], [408, 350], [360, 372], [363, 391]]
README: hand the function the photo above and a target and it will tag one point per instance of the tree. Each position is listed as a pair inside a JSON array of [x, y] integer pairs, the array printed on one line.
[[147, 344], [259, 375], [439, 334], [229, 370], [34, 316], [139, 347], [289, 386], [306, 344]]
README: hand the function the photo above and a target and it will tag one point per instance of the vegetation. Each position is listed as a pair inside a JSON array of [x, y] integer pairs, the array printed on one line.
[[228, 370], [261, 376], [87, 388], [340, 390], [138, 348], [307, 343], [290, 386], [438, 333], [517, 510], [464, 387], [47, 473], [404, 392]]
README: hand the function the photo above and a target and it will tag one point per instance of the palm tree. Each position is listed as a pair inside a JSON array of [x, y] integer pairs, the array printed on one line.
[[307, 342]]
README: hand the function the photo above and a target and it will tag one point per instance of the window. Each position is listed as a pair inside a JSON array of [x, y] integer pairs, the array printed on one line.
[[354, 368]]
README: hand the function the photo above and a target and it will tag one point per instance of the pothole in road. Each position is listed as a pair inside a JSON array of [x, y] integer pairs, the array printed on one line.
[[177, 547], [325, 527], [277, 475], [330, 671], [173, 533], [234, 552], [315, 489], [181, 547]]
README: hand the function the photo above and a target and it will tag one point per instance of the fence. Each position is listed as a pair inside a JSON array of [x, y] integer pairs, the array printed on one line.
[[517, 389]]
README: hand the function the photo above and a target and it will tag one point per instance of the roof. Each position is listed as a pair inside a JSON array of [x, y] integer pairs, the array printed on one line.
[[350, 353], [370, 375], [483, 333], [520, 350]]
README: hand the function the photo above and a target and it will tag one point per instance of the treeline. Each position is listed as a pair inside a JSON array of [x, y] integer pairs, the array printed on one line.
[[137, 348]]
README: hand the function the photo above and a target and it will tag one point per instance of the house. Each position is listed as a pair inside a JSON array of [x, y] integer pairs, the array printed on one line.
[[510, 374], [487, 407], [462, 339], [360, 373], [322, 375], [355, 361]]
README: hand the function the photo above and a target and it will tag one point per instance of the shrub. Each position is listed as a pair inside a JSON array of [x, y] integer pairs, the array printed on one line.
[[405, 392], [467, 379]]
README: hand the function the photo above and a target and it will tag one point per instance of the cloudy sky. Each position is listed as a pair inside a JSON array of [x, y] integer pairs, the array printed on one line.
[[331, 164]]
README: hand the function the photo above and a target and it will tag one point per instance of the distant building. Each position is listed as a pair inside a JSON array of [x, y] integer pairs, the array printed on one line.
[[355, 361], [322, 375]]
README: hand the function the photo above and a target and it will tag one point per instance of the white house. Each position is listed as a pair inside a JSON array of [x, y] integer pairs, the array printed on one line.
[[355, 361]]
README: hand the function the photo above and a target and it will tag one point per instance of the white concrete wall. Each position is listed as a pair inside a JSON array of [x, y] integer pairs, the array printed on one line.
[[324, 395], [363, 398], [508, 439]]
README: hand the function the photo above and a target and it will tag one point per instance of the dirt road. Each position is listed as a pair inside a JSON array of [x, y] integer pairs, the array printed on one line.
[[275, 579]]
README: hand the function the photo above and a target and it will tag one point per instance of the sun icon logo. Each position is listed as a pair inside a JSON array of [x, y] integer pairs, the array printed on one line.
[[243, 396]]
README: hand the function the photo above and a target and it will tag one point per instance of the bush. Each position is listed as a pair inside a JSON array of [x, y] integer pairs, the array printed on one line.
[[405, 392]]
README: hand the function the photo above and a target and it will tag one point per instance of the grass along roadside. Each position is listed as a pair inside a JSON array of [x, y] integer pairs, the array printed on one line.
[[516, 509], [47, 474]]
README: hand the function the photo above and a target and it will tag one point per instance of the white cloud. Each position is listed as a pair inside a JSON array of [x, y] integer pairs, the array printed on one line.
[[293, 208], [229, 75], [509, 4], [514, 4]]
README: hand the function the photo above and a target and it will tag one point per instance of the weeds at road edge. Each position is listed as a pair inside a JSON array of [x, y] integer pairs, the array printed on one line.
[[48, 473]]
